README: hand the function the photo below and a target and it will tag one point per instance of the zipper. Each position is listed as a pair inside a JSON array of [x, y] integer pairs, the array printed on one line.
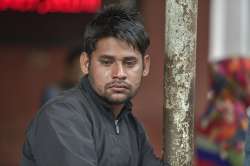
[[117, 129]]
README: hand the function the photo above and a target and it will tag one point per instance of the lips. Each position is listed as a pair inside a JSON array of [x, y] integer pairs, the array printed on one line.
[[118, 86]]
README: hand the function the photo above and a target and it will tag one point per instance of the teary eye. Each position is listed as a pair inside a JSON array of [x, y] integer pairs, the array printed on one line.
[[130, 62], [106, 61]]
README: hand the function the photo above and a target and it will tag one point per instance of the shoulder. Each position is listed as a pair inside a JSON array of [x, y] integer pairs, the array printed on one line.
[[68, 107], [64, 112], [69, 101]]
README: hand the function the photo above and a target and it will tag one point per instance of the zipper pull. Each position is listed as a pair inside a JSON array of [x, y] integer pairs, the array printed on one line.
[[117, 130]]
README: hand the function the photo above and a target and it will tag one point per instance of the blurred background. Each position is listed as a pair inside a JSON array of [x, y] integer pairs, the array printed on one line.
[[35, 42]]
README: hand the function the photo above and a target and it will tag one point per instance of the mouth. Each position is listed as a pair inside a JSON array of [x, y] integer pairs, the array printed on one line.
[[118, 86]]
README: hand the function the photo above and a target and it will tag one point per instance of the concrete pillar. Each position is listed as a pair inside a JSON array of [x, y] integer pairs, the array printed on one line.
[[179, 79]]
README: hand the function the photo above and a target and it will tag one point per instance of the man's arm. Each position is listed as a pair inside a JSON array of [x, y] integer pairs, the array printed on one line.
[[62, 136], [148, 157]]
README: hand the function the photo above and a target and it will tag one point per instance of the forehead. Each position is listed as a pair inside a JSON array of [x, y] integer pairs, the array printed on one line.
[[115, 47]]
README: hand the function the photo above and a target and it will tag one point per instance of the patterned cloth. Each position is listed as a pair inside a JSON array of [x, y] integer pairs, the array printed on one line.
[[221, 128]]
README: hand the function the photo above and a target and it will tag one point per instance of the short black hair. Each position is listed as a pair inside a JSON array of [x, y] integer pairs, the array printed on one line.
[[120, 23]]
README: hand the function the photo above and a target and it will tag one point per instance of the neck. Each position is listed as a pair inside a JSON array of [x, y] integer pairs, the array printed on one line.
[[116, 110]]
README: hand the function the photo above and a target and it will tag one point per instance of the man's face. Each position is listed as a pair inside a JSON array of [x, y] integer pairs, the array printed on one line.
[[115, 69]]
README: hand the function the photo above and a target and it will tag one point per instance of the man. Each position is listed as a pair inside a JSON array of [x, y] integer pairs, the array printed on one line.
[[93, 125], [71, 76]]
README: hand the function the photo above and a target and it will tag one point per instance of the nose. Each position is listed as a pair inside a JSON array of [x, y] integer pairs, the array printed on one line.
[[119, 72]]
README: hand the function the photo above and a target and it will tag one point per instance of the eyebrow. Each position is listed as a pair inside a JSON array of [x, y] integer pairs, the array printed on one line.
[[112, 56], [130, 58], [106, 56]]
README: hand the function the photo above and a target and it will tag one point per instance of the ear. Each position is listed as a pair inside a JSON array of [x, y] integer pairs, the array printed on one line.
[[84, 62], [146, 65]]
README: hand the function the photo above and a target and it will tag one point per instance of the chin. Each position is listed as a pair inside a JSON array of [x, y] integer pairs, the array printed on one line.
[[117, 100]]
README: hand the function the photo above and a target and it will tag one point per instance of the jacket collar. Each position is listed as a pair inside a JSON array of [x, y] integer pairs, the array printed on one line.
[[102, 104]]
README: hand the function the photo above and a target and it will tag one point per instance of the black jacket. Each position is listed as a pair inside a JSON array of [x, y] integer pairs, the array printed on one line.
[[77, 129]]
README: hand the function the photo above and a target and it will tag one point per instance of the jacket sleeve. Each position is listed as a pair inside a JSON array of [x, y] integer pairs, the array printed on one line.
[[148, 157], [62, 136]]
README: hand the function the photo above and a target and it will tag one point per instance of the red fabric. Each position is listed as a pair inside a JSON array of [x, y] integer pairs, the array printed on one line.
[[201, 162]]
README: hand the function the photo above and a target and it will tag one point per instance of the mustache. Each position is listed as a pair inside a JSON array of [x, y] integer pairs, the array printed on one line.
[[118, 83]]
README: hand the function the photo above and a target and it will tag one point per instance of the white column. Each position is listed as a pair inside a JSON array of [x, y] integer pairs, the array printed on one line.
[[229, 29]]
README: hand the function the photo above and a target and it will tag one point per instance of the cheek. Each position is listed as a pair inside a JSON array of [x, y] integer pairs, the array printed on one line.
[[135, 76], [99, 76], [96, 70]]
